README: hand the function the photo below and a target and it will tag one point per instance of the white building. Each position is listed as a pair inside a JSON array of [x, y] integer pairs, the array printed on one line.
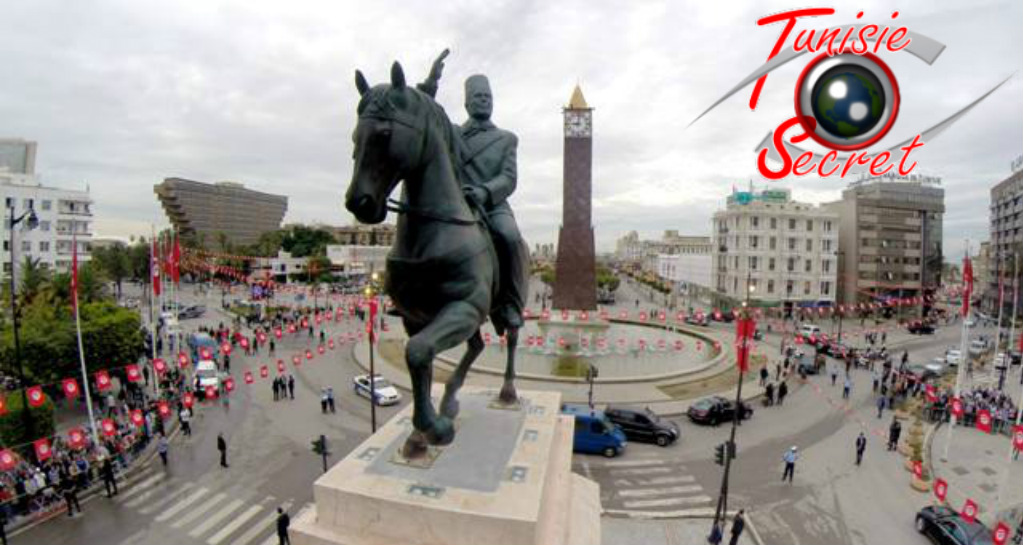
[[357, 259], [686, 269], [788, 249], [62, 214]]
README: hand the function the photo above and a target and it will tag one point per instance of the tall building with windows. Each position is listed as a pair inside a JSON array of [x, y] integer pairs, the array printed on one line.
[[1006, 242], [890, 238], [64, 215], [786, 249], [222, 210]]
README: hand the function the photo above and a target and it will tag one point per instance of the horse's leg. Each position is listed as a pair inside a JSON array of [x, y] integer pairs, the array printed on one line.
[[449, 404], [508, 395], [455, 323]]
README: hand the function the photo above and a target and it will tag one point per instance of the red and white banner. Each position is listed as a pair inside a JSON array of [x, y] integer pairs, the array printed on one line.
[[226, 348], [248, 377], [308, 354], [969, 512], [211, 392], [132, 371], [1000, 536], [264, 372], [229, 384], [154, 269], [159, 366], [205, 353], [70, 387], [967, 285], [163, 409], [280, 366], [957, 407], [744, 329], [42, 448], [102, 380], [188, 400], [984, 420], [244, 342], [36, 397], [1017, 437], [76, 438], [7, 460], [137, 418], [930, 393], [108, 427], [918, 469]]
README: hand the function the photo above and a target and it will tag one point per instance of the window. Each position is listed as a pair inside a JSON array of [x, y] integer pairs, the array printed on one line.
[[44, 246], [827, 226], [47, 204], [755, 222], [9, 202], [770, 264], [809, 244], [826, 245], [26, 246], [792, 223], [792, 243], [788, 288], [826, 266], [809, 226], [770, 286], [44, 225], [774, 223], [774, 244], [806, 288], [28, 203], [753, 262], [754, 241], [809, 266], [735, 284], [792, 264], [7, 245]]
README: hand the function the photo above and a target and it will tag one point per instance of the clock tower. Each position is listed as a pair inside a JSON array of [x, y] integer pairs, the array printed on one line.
[[575, 281]]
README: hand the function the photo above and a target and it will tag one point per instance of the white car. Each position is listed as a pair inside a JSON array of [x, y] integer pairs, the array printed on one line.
[[971, 322], [938, 365], [978, 348], [386, 393], [953, 357], [208, 374]]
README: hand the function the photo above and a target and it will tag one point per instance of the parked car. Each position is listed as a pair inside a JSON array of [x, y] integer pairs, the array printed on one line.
[[643, 426], [594, 432], [947, 527], [716, 409], [939, 365], [970, 322], [953, 356], [697, 319], [386, 393], [978, 348], [190, 312], [920, 328]]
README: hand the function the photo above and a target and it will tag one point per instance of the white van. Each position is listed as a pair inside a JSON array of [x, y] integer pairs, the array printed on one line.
[[208, 374], [810, 330]]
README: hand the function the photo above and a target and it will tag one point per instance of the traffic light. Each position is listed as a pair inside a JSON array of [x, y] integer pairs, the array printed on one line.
[[719, 454]]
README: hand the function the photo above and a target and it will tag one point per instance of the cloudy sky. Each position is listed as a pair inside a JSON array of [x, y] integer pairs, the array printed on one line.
[[120, 94]]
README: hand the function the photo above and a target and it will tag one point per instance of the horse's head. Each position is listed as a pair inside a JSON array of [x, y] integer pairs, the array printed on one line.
[[389, 141]]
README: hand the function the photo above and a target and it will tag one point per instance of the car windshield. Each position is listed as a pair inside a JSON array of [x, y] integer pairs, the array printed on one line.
[[608, 425], [703, 404], [206, 373], [380, 383], [650, 414]]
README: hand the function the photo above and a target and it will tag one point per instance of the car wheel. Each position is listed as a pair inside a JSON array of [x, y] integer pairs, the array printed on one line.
[[662, 440], [610, 452], [921, 524]]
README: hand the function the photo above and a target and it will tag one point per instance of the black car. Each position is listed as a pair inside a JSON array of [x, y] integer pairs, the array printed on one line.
[[715, 410], [920, 328], [194, 311], [643, 426], [946, 527]]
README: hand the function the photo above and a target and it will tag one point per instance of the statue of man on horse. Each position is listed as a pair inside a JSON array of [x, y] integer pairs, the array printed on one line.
[[444, 273]]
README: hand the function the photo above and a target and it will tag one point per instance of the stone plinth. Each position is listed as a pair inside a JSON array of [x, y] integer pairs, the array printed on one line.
[[506, 480]]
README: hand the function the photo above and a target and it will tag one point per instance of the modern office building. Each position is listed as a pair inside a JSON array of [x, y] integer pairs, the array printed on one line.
[[64, 216], [1006, 242], [228, 209], [890, 238], [785, 248]]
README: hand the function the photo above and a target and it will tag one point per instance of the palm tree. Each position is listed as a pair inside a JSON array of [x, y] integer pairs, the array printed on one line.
[[35, 278]]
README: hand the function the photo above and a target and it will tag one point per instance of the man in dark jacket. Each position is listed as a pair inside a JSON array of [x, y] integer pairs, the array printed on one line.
[[222, 447], [283, 521], [738, 525], [109, 481], [861, 445]]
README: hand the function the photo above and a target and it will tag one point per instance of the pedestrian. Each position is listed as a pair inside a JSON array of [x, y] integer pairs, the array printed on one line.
[[276, 389], [283, 522], [162, 446], [184, 418], [330, 399], [291, 386], [272, 347], [227, 363], [109, 481], [877, 380], [847, 387], [769, 393], [777, 371], [763, 375], [884, 339], [222, 447], [323, 400], [783, 390], [70, 493], [834, 375], [790, 458], [861, 445], [893, 434], [738, 525], [880, 405]]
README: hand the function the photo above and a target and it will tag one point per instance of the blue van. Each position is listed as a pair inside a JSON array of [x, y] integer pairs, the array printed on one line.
[[196, 341], [594, 433]]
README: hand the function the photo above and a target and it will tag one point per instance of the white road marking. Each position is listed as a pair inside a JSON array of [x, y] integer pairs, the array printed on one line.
[[261, 527], [215, 519], [691, 500], [648, 492], [155, 505], [199, 511], [632, 463], [139, 487], [642, 471], [178, 507], [655, 481], [233, 525]]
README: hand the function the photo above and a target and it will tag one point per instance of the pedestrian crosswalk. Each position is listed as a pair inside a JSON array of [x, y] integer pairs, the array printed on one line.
[[211, 512], [644, 485]]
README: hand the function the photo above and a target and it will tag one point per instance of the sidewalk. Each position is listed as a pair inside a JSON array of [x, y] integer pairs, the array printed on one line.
[[978, 468], [686, 531]]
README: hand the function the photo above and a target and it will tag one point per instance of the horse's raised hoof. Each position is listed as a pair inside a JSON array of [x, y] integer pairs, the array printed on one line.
[[442, 432], [449, 406], [415, 446], [508, 395]]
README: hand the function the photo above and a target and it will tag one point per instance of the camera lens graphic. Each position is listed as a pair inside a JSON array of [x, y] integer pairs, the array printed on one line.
[[853, 98]]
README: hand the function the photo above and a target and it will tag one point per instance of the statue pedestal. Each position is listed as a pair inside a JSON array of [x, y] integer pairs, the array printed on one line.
[[506, 480]]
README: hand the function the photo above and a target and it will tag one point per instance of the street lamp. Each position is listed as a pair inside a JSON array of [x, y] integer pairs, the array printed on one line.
[[31, 222], [371, 296]]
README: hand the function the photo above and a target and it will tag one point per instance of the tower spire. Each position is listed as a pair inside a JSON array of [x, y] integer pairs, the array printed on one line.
[[577, 102]]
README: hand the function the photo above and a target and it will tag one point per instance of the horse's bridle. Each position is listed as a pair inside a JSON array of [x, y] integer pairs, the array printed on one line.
[[400, 207]]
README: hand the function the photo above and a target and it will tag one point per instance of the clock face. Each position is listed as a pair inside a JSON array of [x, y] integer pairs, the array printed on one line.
[[578, 124]]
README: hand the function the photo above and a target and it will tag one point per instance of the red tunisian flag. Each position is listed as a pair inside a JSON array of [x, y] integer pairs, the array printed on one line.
[[1017, 437], [744, 329], [42, 448], [108, 427], [969, 512], [7, 460], [102, 380], [137, 418], [36, 397], [76, 438], [70, 387], [967, 285], [957, 407], [175, 261], [1001, 534], [940, 489], [154, 268], [132, 372], [984, 421]]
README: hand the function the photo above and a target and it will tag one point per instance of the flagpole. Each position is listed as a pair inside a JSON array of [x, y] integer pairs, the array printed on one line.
[[153, 296], [998, 336], [78, 328], [964, 356]]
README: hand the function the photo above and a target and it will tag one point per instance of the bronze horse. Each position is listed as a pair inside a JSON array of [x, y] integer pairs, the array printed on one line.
[[442, 270]]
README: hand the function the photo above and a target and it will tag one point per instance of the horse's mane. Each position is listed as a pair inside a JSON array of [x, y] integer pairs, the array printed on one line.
[[386, 102]]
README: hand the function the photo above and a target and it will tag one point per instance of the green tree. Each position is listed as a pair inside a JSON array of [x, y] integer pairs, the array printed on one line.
[[115, 262], [34, 279], [302, 241], [12, 425]]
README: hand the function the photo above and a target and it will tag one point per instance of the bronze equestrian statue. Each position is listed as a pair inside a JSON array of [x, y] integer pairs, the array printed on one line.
[[443, 272]]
